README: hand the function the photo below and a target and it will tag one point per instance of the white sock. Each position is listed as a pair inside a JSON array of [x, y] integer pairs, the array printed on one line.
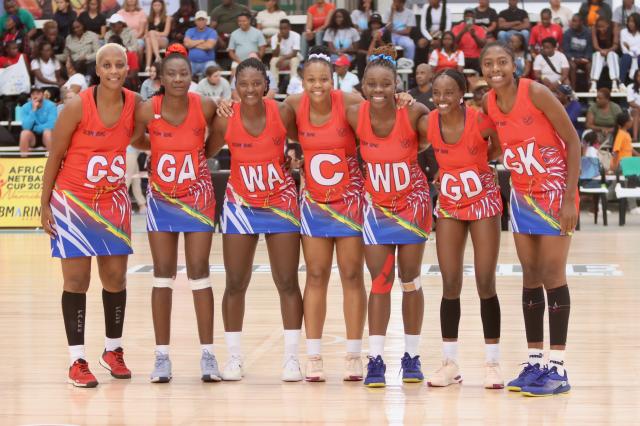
[[232, 339], [536, 357], [354, 346], [208, 348], [376, 345], [112, 344], [291, 342], [314, 347], [492, 352], [411, 343], [162, 349], [76, 352], [556, 359], [450, 351]]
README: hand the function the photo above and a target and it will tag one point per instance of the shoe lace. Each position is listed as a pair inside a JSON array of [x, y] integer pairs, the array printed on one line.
[[84, 368], [119, 356], [375, 366], [542, 378], [289, 359], [235, 361], [160, 360], [528, 368], [409, 364], [209, 360]]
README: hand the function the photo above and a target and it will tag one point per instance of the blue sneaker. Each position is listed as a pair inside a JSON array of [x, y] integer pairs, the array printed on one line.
[[375, 373], [411, 372], [529, 374], [548, 384]]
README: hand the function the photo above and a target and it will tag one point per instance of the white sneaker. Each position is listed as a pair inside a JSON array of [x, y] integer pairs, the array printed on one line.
[[291, 369], [614, 87], [233, 369], [353, 370], [314, 371], [622, 88], [447, 374], [493, 376], [594, 87], [635, 210]]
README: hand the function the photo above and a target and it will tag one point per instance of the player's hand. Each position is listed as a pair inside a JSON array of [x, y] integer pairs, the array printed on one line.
[[225, 108], [48, 224], [404, 99], [568, 216]]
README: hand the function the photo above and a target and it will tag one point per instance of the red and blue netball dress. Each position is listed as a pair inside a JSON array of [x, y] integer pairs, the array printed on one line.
[[180, 196], [332, 190], [468, 190], [537, 159], [90, 202], [398, 208], [261, 196]]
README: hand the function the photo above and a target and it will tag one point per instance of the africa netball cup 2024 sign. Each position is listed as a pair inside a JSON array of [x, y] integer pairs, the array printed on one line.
[[44, 9], [20, 190]]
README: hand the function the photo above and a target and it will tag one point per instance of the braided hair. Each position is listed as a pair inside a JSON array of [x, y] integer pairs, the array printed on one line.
[[161, 68], [456, 75], [257, 65], [383, 56]]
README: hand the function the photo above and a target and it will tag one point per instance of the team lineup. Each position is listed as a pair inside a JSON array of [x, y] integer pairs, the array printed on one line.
[[362, 192]]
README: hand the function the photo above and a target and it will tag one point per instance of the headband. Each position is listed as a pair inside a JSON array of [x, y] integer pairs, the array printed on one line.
[[384, 58], [320, 56]]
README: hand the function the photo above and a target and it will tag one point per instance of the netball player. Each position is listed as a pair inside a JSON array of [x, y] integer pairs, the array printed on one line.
[[542, 151], [261, 198], [397, 214], [180, 199], [464, 140], [86, 208]]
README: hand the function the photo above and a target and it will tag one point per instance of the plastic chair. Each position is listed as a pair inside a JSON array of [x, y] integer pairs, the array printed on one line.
[[592, 182], [630, 167]]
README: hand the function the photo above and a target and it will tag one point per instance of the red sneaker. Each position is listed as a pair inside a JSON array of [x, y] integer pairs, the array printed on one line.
[[114, 362], [80, 375]]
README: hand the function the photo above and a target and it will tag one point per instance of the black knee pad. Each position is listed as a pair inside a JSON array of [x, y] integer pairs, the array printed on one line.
[[449, 318], [559, 309], [533, 312], [490, 314]]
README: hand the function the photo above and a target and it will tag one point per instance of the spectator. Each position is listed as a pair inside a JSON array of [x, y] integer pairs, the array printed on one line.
[[522, 56], [590, 144], [605, 43], [11, 55], [182, 20], [560, 15], [448, 56], [157, 34], [214, 85], [486, 17], [118, 27], [601, 115], [622, 146], [544, 29], [201, 42], [77, 81], [361, 15], [622, 13], [66, 98], [633, 99], [341, 37], [318, 15], [64, 16], [572, 106], [295, 82], [93, 19], [375, 36], [630, 47], [46, 70], [24, 20], [400, 21], [82, 45], [268, 20], [435, 19], [479, 91], [38, 118], [152, 84], [136, 21], [13, 33], [342, 78], [470, 38], [591, 10], [577, 45], [285, 47], [423, 91], [551, 67], [245, 41], [512, 20], [224, 19], [50, 33]]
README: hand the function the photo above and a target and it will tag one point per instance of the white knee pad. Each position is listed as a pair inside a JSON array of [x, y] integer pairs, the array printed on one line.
[[163, 282], [413, 285], [200, 284]]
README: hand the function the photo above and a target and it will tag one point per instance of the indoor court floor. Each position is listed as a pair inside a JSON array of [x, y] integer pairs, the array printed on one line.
[[602, 357]]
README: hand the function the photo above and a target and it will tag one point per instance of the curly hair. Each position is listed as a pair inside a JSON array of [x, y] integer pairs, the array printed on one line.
[[383, 56]]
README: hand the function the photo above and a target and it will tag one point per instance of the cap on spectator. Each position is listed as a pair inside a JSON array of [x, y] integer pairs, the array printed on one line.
[[115, 19], [177, 48], [342, 61], [375, 17], [202, 14], [565, 89]]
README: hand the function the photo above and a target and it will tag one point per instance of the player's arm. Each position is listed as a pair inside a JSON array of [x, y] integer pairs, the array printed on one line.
[[209, 107], [216, 135], [288, 117], [143, 115], [422, 126], [490, 134]]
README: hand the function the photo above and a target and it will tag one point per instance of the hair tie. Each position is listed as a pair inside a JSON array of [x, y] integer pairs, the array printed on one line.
[[320, 56], [384, 58]]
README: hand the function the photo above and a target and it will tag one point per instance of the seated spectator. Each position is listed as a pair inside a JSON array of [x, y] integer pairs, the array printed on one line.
[[622, 144], [630, 47], [318, 15], [423, 92], [82, 46], [448, 56], [601, 115], [77, 81], [343, 79], [182, 20], [246, 40], [622, 13], [38, 118], [46, 71], [64, 16], [11, 55], [67, 96], [268, 20], [341, 37], [551, 67], [214, 85], [487, 18], [476, 102], [591, 10], [152, 84], [435, 19], [373, 37], [400, 21], [201, 42], [577, 45], [522, 56], [93, 19], [512, 20], [590, 144], [118, 27], [361, 15], [156, 36], [633, 99], [560, 15], [136, 21], [285, 47], [605, 43], [544, 29], [571, 105], [23, 19], [12, 33], [51, 34], [470, 38], [295, 82], [224, 19]]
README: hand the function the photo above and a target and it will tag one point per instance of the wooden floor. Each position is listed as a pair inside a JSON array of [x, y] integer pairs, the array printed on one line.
[[602, 357]]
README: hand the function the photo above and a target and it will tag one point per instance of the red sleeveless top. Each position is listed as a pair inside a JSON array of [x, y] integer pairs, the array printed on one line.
[[95, 159], [178, 161], [257, 172], [532, 149], [392, 170], [329, 151]]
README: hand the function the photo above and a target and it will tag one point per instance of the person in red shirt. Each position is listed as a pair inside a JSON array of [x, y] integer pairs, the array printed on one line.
[[448, 56], [544, 29], [318, 16], [11, 55], [470, 38]]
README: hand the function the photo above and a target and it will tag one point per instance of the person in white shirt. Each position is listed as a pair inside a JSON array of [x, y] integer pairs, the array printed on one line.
[[214, 85], [295, 82], [361, 15], [551, 67], [77, 81], [268, 20], [285, 47], [630, 47], [621, 13], [435, 19], [560, 15], [400, 21], [342, 78], [633, 99]]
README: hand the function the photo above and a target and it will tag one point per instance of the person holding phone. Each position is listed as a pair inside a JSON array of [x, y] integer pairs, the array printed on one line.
[[470, 38]]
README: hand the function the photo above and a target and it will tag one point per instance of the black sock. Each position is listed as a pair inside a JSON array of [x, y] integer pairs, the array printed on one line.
[[533, 311], [449, 318], [490, 314], [74, 308], [559, 308], [114, 305]]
